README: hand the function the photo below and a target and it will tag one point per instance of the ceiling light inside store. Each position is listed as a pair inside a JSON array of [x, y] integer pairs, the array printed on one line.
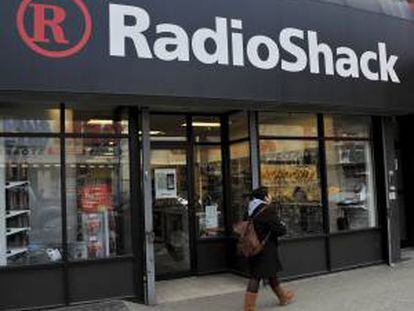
[[203, 124], [154, 133], [100, 122]]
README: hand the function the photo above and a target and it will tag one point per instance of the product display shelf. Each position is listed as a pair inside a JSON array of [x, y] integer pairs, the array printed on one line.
[[14, 251], [12, 231], [17, 217], [14, 184], [16, 213]]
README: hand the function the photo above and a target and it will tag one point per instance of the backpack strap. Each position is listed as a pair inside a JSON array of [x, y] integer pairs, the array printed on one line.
[[261, 210]]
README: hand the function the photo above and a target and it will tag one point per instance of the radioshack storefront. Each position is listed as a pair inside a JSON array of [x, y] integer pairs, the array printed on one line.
[[131, 134]]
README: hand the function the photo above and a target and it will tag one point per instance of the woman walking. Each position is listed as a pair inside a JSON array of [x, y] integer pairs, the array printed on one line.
[[266, 265]]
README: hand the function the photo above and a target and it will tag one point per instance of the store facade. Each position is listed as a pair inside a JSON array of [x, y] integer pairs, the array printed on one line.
[[132, 133]]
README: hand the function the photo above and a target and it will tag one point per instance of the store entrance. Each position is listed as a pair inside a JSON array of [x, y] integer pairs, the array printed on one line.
[[170, 210], [188, 195]]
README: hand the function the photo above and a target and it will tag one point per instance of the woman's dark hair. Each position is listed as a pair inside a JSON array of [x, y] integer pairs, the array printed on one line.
[[260, 193]]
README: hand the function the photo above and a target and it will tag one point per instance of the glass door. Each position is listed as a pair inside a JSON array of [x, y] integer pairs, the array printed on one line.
[[170, 211]]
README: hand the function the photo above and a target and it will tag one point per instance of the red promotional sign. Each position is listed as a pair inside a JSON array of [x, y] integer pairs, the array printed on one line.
[[96, 197], [48, 27]]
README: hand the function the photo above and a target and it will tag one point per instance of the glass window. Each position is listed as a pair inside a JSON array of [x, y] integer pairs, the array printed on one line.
[[238, 126], [241, 179], [30, 207], [96, 120], [41, 119], [347, 126], [351, 190], [290, 168], [170, 210], [209, 191], [207, 129], [98, 200], [168, 128], [287, 124]]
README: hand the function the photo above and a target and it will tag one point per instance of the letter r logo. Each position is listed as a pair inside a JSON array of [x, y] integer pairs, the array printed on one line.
[[45, 28], [41, 23]]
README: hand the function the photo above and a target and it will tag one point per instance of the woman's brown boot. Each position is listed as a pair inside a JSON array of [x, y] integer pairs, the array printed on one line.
[[250, 301], [285, 296]]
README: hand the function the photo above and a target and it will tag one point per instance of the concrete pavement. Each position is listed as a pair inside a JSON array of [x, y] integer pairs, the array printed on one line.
[[378, 288]]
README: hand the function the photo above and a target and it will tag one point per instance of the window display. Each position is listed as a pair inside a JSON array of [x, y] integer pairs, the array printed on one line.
[[241, 179], [287, 124], [30, 207], [98, 208], [351, 190], [290, 168], [209, 191]]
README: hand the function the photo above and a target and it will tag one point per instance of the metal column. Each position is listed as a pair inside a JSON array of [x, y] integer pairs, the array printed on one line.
[[254, 149], [392, 217], [150, 295]]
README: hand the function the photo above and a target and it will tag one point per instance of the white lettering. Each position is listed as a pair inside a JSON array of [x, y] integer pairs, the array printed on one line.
[[315, 50], [387, 64], [237, 43], [219, 37], [253, 52], [181, 51], [119, 31], [366, 58], [347, 66], [286, 43], [226, 44]]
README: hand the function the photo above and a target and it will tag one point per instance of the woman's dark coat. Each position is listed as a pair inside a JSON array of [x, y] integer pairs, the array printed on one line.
[[267, 263]]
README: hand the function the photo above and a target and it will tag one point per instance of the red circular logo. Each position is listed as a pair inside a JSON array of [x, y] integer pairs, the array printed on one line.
[[48, 32]]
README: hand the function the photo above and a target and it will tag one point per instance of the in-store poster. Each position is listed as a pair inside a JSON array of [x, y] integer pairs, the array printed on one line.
[[212, 216], [165, 183]]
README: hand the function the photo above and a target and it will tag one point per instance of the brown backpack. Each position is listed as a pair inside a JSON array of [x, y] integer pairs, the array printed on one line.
[[248, 242]]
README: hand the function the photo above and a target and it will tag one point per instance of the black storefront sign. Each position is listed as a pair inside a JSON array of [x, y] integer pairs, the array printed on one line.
[[268, 51], [274, 51]]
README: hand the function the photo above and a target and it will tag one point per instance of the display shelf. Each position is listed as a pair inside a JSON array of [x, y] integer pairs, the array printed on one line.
[[14, 184], [355, 207], [11, 214], [13, 231], [14, 251]]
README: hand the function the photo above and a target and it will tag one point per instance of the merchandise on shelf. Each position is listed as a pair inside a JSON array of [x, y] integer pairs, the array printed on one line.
[[17, 213]]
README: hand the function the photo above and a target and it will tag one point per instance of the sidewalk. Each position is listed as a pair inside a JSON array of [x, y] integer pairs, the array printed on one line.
[[378, 288]]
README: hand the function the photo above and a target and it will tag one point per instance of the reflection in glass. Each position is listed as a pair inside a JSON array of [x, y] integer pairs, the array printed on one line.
[[30, 207], [207, 129], [170, 207], [98, 200], [166, 127], [287, 124], [15, 119], [209, 191], [350, 181], [347, 126], [102, 120], [238, 126], [290, 169], [241, 179]]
